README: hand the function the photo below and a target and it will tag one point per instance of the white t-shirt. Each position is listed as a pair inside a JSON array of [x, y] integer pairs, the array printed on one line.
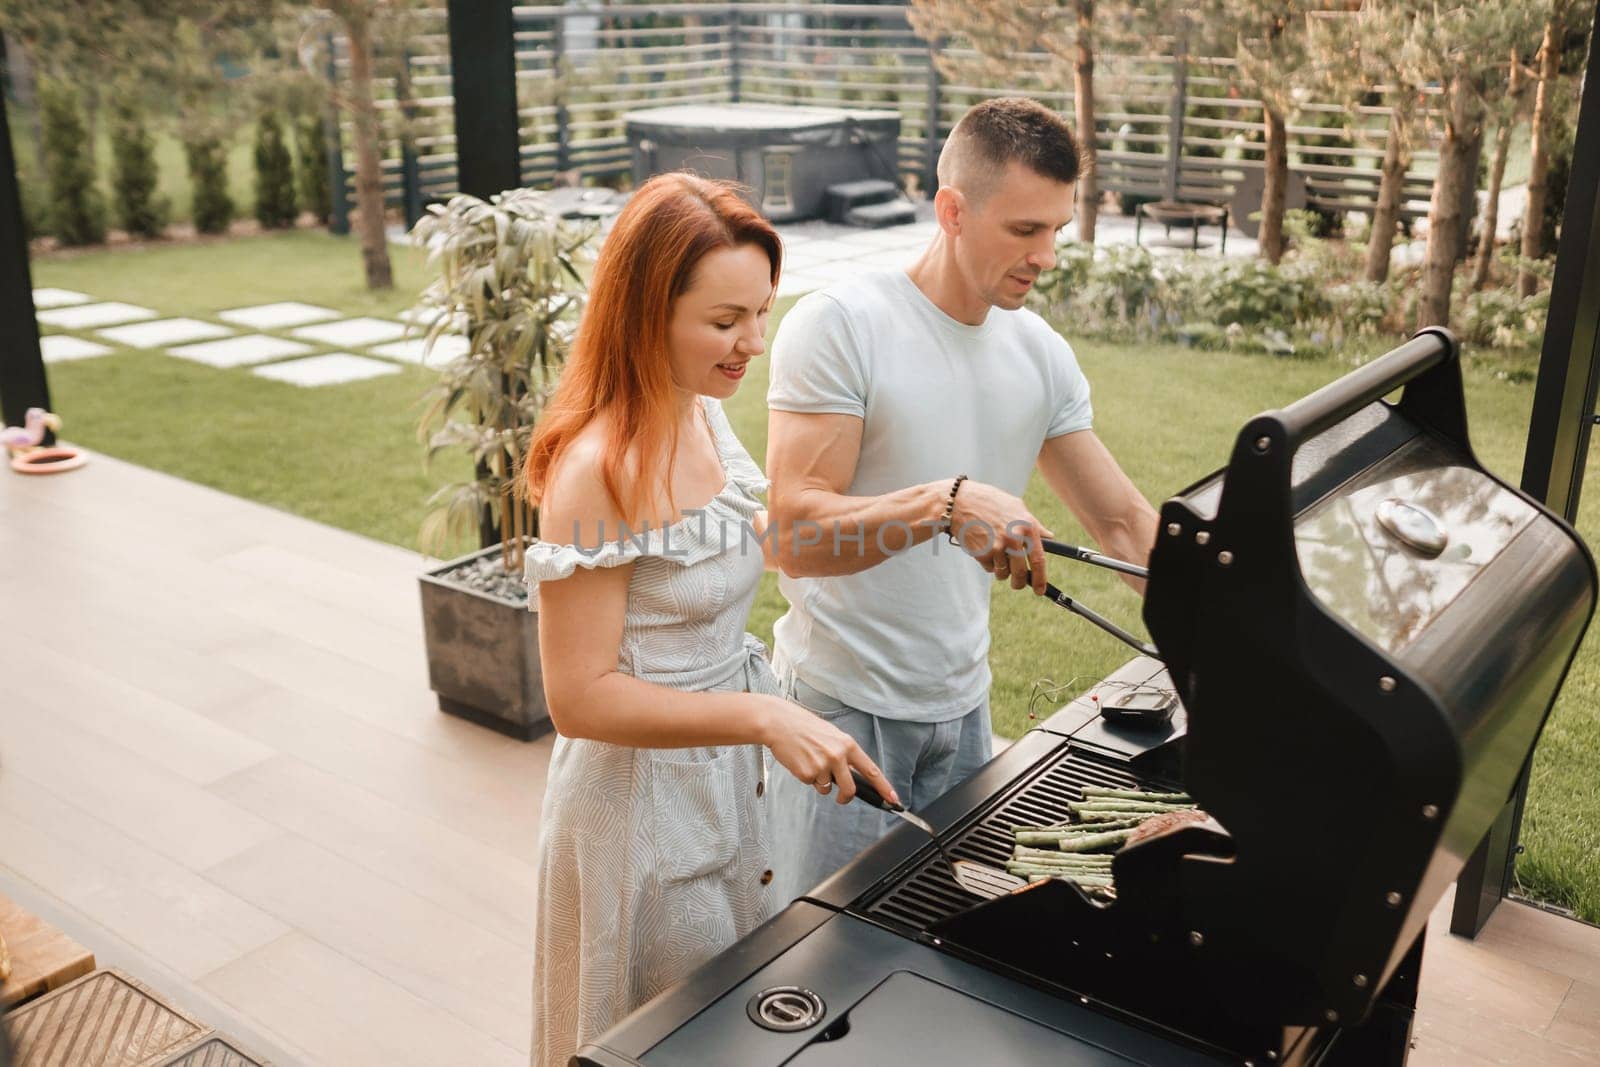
[[909, 638]]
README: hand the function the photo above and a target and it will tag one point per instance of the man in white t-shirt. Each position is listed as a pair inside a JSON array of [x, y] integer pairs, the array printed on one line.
[[909, 407]]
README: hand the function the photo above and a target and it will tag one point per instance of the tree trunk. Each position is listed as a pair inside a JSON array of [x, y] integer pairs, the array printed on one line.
[[1274, 188], [369, 176], [1391, 189], [1539, 152], [1083, 102], [1491, 210], [1463, 130]]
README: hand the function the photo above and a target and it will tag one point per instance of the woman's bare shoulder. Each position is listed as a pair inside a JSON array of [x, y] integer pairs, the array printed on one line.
[[576, 506]]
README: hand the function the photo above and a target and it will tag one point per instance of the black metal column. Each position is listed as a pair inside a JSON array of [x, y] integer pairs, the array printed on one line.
[[22, 378], [483, 73], [483, 76], [1558, 441]]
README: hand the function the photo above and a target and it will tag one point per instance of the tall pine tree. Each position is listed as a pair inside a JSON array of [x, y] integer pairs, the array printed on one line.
[[77, 210], [276, 206], [139, 209]]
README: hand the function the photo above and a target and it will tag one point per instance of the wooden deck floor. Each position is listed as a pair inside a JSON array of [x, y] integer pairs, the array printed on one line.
[[221, 768]]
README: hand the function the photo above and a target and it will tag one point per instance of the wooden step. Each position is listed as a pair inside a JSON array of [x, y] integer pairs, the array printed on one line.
[[42, 957]]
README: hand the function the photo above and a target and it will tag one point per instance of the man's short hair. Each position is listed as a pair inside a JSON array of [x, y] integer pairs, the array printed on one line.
[[997, 132]]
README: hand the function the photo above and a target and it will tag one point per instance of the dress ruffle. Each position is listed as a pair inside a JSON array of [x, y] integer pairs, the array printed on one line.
[[710, 530]]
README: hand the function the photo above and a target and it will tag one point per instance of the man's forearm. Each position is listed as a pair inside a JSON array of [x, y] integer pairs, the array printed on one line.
[[822, 534]]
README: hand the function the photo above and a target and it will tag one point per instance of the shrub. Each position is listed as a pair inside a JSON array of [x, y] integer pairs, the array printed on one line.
[[1500, 318], [77, 210], [133, 175], [276, 208], [208, 172], [1256, 293], [311, 143], [1358, 307]]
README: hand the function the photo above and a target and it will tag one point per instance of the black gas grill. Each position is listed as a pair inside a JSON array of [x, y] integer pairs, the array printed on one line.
[[1367, 632]]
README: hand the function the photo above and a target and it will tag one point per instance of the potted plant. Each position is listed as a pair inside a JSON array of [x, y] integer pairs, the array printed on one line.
[[509, 279]]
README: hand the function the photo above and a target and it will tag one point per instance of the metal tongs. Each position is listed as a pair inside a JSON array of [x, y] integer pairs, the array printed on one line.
[[976, 878], [1084, 555]]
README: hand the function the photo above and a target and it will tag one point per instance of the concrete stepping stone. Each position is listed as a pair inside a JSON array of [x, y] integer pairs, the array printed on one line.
[[422, 318], [164, 332], [411, 350], [279, 316], [240, 351], [353, 332], [91, 316], [57, 298], [58, 348], [333, 369]]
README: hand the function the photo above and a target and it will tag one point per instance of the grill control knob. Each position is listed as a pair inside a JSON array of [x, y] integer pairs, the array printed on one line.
[[1413, 526], [786, 1008]]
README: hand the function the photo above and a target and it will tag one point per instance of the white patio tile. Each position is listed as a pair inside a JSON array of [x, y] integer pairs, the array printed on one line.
[[89, 316], [891, 258], [331, 369], [279, 316], [164, 332], [831, 249], [411, 350], [844, 268], [800, 282], [886, 237], [359, 332], [62, 347], [800, 262], [58, 298], [239, 351]]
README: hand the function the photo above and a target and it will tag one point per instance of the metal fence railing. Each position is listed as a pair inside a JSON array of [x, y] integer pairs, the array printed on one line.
[[580, 69]]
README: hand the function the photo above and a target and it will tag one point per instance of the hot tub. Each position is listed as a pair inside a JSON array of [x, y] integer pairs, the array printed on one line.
[[787, 155]]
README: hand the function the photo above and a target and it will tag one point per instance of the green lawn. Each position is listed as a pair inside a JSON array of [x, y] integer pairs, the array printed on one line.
[[348, 456], [345, 455]]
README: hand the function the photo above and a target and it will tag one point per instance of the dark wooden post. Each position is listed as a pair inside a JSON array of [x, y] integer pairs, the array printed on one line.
[[22, 378]]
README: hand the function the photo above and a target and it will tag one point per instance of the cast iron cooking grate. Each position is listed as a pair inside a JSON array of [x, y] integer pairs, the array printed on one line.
[[928, 893]]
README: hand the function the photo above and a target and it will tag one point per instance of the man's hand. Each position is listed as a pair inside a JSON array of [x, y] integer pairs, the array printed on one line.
[[997, 529]]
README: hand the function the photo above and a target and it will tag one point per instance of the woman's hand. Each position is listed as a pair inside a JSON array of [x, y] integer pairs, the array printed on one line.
[[817, 752]]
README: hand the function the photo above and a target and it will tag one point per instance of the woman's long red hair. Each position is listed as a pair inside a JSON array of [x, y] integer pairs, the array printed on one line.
[[619, 361]]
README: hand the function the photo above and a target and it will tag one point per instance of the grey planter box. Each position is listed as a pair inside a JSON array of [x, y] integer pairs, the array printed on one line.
[[483, 655]]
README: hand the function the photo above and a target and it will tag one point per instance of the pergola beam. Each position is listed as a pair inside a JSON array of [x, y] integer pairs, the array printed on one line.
[[22, 378]]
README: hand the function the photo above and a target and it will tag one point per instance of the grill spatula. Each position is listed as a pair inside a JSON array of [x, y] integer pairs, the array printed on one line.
[[976, 878]]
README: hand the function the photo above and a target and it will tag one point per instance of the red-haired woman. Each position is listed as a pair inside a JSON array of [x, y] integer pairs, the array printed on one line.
[[653, 853]]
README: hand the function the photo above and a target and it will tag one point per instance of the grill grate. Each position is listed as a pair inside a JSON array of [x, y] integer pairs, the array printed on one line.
[[929, 893]]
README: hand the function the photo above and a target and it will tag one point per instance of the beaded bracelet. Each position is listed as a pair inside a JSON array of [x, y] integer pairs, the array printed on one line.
[[950, 509]]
